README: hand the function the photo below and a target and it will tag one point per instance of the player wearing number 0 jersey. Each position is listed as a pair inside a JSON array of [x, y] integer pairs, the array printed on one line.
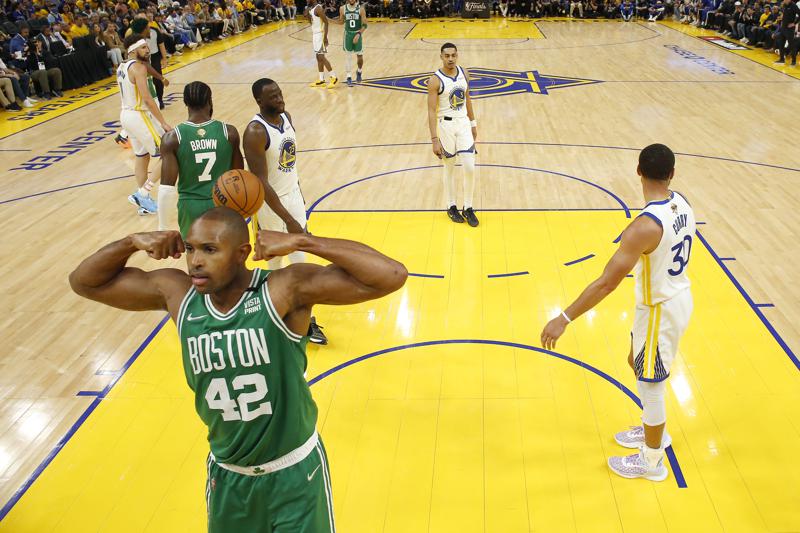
[[243, 345], [195, 153], [657, 246], [354, 18]]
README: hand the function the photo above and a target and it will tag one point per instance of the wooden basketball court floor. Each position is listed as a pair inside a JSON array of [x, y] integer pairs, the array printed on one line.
[[440, 411]]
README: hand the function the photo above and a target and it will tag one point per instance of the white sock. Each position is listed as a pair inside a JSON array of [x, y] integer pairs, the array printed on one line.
[[653, 456], [145, 189], [358, 70], [348, 64], [468, 160], [449, 181], [332, 74], [321, 76]]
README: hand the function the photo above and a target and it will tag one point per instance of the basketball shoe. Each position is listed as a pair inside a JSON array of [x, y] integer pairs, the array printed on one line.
[[633, 466], [145, 203], [634, 438]]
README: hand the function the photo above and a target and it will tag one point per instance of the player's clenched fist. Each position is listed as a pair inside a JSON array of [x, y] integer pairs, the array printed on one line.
[[159, 244], [271, 244]]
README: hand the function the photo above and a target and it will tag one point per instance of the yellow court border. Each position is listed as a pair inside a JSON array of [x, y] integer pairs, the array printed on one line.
[[491, 28], [122, 480], [83, 96]]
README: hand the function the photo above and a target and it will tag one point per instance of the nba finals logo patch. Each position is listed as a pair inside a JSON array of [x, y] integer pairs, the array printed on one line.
[[287, 156], [484, 83]]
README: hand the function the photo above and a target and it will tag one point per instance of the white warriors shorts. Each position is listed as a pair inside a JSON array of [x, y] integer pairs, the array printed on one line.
[[143, 130], [293, 202], [317, 41], [455, 136], [657, 329]]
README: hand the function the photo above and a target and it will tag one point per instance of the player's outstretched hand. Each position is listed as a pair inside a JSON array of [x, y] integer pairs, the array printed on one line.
[[271, 244], [159, 244], [553, 331]]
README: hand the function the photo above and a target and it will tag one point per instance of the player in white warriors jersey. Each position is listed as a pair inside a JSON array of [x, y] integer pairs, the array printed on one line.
[[315, 13], [657, 245], [453, 129], [270, 147], [142, 119]]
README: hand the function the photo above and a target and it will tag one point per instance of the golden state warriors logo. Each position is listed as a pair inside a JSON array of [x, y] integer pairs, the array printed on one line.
[[287, 155], [484, 83], [457, 98]]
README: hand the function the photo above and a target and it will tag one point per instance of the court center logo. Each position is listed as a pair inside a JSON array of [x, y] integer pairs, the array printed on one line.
[[288, 155], [484, 83]]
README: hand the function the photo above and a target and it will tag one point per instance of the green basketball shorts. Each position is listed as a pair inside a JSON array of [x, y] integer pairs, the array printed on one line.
[[350, 46], [190, 210], [295, 499]]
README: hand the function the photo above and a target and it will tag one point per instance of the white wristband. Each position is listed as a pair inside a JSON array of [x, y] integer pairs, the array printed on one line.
[[566, 317], [474, 124]]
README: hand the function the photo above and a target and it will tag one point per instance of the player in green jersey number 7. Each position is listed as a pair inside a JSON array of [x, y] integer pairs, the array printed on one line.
[[243, 344], [195, 153]]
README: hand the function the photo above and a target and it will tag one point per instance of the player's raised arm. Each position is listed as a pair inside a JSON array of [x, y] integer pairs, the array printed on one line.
[[640, 237], [255, 142], [103, 276], [167, 194], [433, 104], [237, 161], [357, 273]]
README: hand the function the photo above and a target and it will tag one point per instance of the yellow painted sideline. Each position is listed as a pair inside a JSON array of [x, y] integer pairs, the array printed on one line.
[[11, 123]]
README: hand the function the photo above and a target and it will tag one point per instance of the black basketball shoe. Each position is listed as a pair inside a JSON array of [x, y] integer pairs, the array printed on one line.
[[454, 215], [469, 215]]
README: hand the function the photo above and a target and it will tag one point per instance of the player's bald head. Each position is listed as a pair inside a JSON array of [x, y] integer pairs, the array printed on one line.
[[228, 225]]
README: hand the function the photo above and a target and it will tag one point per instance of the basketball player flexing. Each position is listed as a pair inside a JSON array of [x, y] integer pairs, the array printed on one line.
[[243, 352], [142, 119], [315, 13], [196, 153], [454, 130], [354, 18], [657, 244], [270, 148]]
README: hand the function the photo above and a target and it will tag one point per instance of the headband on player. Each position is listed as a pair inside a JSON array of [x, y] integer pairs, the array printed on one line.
[[137, 44]]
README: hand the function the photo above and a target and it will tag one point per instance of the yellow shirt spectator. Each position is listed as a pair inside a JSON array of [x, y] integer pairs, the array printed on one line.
[[76, 31], [288, 2], [79, 4], [133, 4]]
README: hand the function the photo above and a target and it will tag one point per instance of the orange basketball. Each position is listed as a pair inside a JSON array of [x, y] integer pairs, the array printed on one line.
[[240, 190]]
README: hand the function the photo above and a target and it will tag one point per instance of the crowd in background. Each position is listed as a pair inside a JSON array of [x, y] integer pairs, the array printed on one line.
[[37, 35]]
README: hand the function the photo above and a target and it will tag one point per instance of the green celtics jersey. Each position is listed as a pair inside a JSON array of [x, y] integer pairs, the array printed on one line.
[[246, 369], [352, 18], [204, 153]]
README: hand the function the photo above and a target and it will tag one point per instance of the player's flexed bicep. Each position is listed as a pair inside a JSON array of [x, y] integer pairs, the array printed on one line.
[[358, 273], [103, 276]]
